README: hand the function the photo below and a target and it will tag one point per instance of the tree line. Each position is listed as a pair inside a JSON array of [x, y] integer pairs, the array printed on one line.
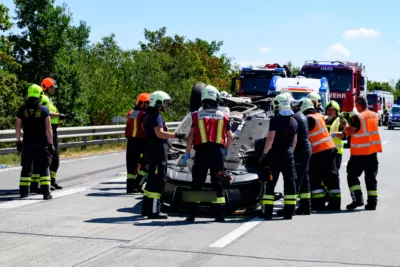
[[97, 81]]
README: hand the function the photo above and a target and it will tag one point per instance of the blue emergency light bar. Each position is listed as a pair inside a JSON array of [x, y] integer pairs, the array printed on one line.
[[324, 85], [276, 69], [272, 84]]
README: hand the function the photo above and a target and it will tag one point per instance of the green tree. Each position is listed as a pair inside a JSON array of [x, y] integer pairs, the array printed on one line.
[[9, 99]]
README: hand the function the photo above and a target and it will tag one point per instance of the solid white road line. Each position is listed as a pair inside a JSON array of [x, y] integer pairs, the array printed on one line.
[[236, 233], [39, 198]]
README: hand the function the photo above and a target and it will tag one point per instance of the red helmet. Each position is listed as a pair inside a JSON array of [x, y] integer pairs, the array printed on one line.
[[47, 83]]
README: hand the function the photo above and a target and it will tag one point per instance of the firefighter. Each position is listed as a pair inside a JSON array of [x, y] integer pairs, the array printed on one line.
[[365, 145], [211, 137], [335, 124], [316, 100], [156, 150], [302, 155], [134, 132], [34, 119], [322, 162], [385, 117], [49, 85], [278, 158]]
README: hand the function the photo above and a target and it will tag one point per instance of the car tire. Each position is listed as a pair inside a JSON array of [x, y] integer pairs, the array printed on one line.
[[195, 96]]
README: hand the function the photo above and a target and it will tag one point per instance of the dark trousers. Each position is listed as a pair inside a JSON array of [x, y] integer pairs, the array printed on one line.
[[134, 158], [338, 161], [302, 163], [41, 156], [286, 166], [209, 156], [157, 167], [323, 169], [355, 167], [54, 160]]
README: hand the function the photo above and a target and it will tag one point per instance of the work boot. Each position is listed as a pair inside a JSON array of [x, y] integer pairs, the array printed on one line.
[[130, 186], [53, 184], [288, 212], [153, 209], [24, 191], [304, 207], [371, 203], [318, 204], [46, 192], [35, 189], [219, 212], [192, 211], [334, 204], [358, 200], [267, 211], [144, 206]]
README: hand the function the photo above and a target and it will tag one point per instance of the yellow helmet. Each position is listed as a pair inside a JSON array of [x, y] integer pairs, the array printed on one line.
[[35, 91]]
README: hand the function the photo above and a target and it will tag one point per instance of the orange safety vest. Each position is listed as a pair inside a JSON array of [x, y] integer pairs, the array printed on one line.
[[209, 126], [367, 140], [319, 137]]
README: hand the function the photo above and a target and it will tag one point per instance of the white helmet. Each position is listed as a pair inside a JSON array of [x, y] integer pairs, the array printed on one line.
[[282, 103], [210, 93], [315, 97], [157, 99], [224, 94], [306, 104]]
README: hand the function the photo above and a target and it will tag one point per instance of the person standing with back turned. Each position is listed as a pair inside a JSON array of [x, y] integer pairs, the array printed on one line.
[[34, 119]]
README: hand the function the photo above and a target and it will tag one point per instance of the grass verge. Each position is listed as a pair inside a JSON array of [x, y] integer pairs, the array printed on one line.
[[15, 159]]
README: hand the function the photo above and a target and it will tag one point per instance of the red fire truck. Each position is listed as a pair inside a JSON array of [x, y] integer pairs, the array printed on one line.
[[379, 101], [347, 80]]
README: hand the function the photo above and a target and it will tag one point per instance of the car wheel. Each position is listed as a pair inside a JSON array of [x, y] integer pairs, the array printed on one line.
[[195, 96]]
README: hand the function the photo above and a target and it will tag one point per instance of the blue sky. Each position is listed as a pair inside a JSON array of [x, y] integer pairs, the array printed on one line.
[[257, 32]]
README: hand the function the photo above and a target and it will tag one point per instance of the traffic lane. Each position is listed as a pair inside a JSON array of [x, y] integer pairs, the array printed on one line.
[[350, 238], [87, 225], [71, 172]]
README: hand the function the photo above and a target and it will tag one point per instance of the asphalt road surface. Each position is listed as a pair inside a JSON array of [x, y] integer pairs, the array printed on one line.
[[92, 222]]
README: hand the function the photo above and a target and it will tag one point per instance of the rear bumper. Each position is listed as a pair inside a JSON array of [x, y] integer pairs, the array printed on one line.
[[393, 123]]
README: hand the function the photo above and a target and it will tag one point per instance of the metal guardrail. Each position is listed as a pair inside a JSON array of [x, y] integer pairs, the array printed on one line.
[[114, 131]]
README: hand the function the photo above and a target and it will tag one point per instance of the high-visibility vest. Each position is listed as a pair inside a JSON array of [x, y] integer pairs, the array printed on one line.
[[49, 103], [338, 142], [319, 137], [135, 125], [209, 126], [367, 140]]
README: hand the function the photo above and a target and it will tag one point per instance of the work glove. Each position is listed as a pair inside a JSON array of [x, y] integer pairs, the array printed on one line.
[[185, 158], [333, 135], [180, 135], [225, 152], [19, 146], [50, 149], [61, 116], [262, 162]]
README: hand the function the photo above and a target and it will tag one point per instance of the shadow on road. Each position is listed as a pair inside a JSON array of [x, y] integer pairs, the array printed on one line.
[[113, 183]]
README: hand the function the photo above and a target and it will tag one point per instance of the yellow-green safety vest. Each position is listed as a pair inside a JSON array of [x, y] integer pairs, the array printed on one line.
[[338, 142], [48, 103]]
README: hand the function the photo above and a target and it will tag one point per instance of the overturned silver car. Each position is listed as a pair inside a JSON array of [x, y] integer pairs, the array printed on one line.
[[249, 118]]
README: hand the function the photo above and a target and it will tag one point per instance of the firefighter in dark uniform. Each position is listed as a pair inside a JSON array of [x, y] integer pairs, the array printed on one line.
[[322, 162], [49, 86], [134, 132], [302, 155], [34, 119], [278, 158], [365, 145], [156, 150], [211, 137]]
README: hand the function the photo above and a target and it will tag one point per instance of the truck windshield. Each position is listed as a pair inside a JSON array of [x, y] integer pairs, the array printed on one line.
[[299, 95], [256, 82], [372, 99], [340, 80]]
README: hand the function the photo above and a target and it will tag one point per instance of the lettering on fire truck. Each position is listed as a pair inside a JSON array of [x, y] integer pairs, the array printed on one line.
[[338, 95]]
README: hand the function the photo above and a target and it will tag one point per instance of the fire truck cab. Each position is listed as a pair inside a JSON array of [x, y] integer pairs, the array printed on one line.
[[379, 101]]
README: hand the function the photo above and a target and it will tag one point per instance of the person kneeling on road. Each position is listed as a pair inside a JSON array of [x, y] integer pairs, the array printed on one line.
[[211, 137], [278, 158], [34, 119], [365, 145], [156, 150], [322, 162], [134, 133]]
